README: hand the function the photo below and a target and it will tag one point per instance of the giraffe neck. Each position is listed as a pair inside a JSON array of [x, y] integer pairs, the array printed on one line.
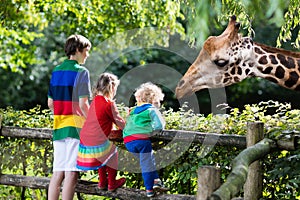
[[277, 65]]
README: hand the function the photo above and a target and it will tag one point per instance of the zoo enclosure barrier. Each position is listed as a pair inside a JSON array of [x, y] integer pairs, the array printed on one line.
[[208, 176]]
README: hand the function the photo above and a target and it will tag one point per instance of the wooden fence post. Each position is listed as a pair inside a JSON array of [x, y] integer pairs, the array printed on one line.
[[1, 134], [254, 182], [209, 179], [0, 122]]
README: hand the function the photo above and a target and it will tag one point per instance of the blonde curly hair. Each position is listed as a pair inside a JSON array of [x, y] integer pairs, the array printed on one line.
[[149, 93]]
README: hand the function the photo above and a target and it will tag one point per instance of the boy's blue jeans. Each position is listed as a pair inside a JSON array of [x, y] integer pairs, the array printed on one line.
[[143, 150]]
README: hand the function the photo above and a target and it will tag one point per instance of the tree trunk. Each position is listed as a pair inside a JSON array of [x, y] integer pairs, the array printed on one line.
[[240, 165]]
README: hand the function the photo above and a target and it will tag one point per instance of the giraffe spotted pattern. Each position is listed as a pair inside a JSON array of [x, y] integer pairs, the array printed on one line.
[[279, 66], [238, 68]]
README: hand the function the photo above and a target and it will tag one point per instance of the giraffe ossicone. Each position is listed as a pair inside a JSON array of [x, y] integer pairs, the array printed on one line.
[[230, 58]]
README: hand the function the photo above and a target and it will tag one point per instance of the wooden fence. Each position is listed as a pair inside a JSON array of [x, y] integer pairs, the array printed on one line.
[[208, 177]]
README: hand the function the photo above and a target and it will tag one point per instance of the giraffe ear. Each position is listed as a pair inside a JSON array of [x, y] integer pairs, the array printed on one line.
[[235, 31], [233, 18], [236, 24], [232, 29]]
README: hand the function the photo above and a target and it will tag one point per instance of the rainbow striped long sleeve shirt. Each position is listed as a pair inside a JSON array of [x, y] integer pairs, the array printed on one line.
[[69, 82]]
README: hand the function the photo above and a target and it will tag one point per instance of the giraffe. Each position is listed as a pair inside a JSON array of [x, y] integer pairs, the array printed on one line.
[[229, 58]]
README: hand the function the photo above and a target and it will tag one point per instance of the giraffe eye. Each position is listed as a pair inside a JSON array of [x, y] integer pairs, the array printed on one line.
[[221, 62]]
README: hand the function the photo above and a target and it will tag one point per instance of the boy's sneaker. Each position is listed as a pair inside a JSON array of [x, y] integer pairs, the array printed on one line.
[[150, 193], [159, 186]]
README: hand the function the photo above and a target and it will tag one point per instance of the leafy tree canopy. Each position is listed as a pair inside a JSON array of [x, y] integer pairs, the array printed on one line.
[[205, 16], [25, 21]]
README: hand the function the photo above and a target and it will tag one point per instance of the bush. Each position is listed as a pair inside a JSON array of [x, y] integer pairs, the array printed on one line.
[[281, 168]]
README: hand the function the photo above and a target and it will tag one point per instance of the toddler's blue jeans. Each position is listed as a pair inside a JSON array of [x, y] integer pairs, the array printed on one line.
[[143, 150]]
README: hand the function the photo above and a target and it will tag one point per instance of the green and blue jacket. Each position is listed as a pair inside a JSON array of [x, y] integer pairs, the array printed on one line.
[[142, 121]]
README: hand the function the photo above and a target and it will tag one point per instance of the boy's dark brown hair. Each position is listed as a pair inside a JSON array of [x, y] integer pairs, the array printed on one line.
[[75, 42]]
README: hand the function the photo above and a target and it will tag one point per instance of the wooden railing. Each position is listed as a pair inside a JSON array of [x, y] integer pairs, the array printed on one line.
[[208, 177]]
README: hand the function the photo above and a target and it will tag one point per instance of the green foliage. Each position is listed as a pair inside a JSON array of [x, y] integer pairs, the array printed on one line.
[[281, 168], [33, 118], [32, 35], [16, 33], [31, 157], [291, 22], [24, 23], [279, 13]]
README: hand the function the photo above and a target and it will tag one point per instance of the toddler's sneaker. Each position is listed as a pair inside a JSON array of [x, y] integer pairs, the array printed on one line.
[[150, 193], [158, 185]]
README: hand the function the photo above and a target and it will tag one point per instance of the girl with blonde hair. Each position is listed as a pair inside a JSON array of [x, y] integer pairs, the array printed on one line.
[[96, 152]]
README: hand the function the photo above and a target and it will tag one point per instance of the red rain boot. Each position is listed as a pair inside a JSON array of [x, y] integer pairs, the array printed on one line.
[[113, 184], [102, 185]]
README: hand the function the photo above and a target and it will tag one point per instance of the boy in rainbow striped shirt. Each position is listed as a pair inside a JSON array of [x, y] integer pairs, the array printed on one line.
[[68, 99]]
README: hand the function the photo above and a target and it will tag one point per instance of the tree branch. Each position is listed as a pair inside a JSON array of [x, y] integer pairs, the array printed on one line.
[[240, 165]]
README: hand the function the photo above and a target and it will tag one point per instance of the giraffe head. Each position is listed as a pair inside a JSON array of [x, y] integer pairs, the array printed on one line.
[[223, 60]]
